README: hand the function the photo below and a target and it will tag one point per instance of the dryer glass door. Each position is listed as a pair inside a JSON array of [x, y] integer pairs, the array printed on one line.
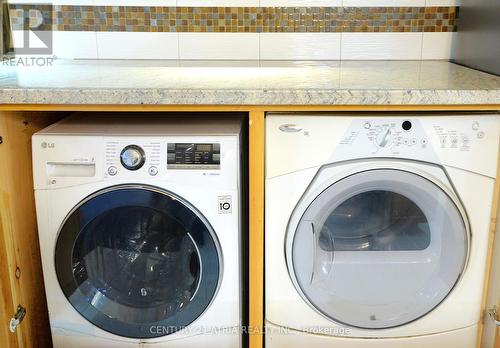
[[379, 249], [137, 261]]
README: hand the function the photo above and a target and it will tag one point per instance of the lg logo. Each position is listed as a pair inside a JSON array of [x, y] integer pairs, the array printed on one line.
[[48, 145]]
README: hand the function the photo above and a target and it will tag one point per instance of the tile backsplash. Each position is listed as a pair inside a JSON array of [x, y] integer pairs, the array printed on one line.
[[243, 29]]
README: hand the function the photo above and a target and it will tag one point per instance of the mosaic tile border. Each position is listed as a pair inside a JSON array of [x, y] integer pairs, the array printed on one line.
[[235, 19]]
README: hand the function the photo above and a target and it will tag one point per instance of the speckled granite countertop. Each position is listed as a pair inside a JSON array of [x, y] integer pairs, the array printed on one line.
[[248, 83]]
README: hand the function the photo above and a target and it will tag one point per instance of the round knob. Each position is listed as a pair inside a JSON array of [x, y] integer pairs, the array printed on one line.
[[112, 170], [384, 137], [132, 157], [153, 171]]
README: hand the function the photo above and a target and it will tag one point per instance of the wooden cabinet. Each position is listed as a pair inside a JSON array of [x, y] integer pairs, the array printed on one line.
[[21, 280], [20, 270]]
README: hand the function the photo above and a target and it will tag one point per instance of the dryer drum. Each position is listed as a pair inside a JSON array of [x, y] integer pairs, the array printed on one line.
[[378, 249]]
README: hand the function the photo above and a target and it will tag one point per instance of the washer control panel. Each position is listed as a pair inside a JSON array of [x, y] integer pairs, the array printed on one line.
[[126, 157], [132, 157], [193, 156]]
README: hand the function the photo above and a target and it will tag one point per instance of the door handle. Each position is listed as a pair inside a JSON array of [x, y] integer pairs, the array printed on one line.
[[317, 266], [290, 128]]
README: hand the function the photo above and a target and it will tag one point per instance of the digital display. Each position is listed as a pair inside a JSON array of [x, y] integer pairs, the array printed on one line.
[[193, 156], [203, 147]]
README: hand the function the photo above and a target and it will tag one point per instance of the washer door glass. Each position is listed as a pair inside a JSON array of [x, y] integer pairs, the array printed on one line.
[[137, 261], [378, 249]]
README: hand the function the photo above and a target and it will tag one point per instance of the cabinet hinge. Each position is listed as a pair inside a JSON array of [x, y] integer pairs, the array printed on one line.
[[493, 314], [17, 319]]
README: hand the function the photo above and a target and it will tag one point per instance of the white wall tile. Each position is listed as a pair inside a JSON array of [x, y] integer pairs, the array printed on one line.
[[17, 38], [386, 46], [430, 3], [438, 45], [66, 44], [300, 3], [132, 45], [309, 46], [75, 44], [383, 3], [221, 3], [219, 45]]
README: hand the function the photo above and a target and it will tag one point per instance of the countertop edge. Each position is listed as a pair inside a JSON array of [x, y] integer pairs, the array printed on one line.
[[262, 97]]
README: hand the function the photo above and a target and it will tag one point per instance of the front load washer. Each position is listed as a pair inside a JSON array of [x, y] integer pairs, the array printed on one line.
[[140, 230], [377, 228]]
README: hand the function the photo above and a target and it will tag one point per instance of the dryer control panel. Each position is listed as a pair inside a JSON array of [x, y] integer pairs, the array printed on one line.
[[395, 134], [458, 141], [384, 137], [466, 141]]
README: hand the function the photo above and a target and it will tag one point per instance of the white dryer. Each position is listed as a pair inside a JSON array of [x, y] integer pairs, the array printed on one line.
[[377, 228], [140, 230]]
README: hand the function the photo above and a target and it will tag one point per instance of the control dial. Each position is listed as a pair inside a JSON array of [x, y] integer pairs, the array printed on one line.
[[132, 157], [384, 137]]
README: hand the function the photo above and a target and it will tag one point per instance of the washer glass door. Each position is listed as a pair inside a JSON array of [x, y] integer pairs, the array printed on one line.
[[137, 261], [378, 249]]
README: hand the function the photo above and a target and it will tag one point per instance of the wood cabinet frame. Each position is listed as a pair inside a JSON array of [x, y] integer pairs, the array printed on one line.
[[18, 236]]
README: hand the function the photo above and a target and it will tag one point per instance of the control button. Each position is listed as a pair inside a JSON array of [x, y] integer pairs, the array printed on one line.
[[112, 170], [406, 141], [454, 141], [171, 147], [367, 125], [153, 171], [480, 135], [216, 148], [424, 141], [475, 125], [216, 157], [132, 157], [414, 141], [406, 125], [442, 140], [465, 140]]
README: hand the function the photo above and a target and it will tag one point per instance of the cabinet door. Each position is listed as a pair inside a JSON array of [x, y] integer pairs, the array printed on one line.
[[21, 280], [491, 332]]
